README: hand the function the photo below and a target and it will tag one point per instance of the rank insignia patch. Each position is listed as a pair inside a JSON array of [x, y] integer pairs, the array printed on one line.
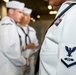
[[69, 60]]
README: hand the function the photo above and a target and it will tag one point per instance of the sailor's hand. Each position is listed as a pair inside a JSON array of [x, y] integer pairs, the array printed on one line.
[[30, 46], [27, 61]]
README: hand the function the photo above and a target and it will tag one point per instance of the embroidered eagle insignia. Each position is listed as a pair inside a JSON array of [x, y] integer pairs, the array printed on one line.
[[69, 60]]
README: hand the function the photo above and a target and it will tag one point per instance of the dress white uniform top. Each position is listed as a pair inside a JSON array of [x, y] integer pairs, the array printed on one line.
[[11, 59], [58, 51], [30, 38], [30, 31]]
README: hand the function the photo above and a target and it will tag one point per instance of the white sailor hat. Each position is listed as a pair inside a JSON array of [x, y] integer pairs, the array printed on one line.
[[27, 11], [15, 4]]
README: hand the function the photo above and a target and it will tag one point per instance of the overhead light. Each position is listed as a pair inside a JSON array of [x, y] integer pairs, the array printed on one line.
[[49, 7], [33, 19], [53, 12], [38, 16], [6, 0]]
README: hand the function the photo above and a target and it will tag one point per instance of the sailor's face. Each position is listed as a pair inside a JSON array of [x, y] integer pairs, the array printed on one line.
[[27, 18], [56, 2], [18, 14]]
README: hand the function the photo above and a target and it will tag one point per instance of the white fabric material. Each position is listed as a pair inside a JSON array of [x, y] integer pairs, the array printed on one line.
[[54, 46], [29, 52], [33, 37], [27, 11], [11, 59], [15, 4]]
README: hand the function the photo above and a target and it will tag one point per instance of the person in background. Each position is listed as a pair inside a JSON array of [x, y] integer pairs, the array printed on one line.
[[11, 60], [29, 39], [58, 51]]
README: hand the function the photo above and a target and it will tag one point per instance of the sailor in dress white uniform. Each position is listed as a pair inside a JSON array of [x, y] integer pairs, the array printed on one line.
[[58, 51], [29, 40], [11, 59]]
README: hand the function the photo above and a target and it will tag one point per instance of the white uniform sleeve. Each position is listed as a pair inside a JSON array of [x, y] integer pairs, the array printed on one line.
[[35, 39], [9, 41]]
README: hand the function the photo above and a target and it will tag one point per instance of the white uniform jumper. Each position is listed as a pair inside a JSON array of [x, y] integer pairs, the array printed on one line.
[[58, 51], [11, 59], [28, 37]]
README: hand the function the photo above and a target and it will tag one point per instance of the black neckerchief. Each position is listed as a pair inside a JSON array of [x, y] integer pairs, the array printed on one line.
[[26, 35]]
